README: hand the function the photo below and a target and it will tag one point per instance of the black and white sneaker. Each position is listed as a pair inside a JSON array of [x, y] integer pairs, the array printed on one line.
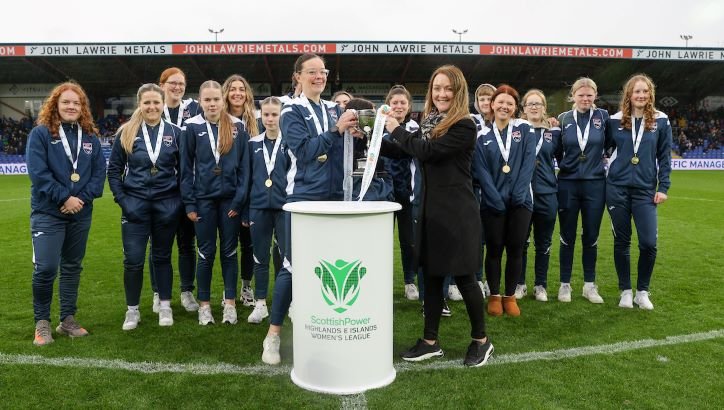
[[446, 312], [422, 351], [478, 353]]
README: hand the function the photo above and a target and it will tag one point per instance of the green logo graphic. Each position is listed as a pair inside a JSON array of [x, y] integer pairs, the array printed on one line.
[[340, 282]]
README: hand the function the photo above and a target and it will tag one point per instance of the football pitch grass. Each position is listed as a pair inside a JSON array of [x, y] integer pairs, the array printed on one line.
[[556, 355]]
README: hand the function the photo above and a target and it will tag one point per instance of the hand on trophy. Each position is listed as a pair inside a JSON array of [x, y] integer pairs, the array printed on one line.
[[347, 120]]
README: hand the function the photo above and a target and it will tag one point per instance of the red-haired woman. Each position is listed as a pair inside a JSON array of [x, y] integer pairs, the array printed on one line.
[[67, 172], [504, 169], [637, 183]]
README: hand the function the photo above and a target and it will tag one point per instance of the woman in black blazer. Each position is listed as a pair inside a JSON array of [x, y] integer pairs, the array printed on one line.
[[448, 239]]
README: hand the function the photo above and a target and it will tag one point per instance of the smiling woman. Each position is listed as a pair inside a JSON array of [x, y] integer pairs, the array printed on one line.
[[142, 174], [67, 170]]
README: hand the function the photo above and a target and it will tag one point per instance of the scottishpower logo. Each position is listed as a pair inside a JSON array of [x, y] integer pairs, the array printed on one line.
[[340, 282]]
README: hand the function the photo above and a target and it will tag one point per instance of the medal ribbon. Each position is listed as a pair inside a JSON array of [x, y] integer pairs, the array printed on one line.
[[153, 153], [66, 146]]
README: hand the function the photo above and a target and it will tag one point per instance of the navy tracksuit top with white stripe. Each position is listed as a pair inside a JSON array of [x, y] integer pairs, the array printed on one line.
[[569, 163], [50, 169], [544, 179], [198, 180], [188, 109], [261, 196], [316, 170], [501, 191], [130, 174], [654, 150]]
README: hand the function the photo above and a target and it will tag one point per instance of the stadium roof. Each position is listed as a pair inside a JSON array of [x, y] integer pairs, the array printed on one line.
[[111, 69]]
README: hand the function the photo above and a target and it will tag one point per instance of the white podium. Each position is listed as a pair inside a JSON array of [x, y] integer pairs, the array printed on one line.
[[342, 268]]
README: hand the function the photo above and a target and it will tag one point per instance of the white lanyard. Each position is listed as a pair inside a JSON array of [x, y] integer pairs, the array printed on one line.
[[153, 153], [214, 145], [307, 104], [636, 137], [540, 142], [269, 162], [66, 146], [582, 139], [180, 117], [504, 150]]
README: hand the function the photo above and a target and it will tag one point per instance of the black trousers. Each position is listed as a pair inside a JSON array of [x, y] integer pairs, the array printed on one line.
[[507, 231], [472, 295]]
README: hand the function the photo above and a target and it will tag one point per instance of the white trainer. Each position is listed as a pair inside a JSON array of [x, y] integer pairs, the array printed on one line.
[[626, 299], [270, 355], [205, 315], [540, 293], [165, 316], [189, 302], [229, 315], [564, 293], [590, 292], [453, 293], [247, 296], [259, 313], [411, 292], [642, 299], [156, 302], [133, 317], [521, 291], [485, 288]]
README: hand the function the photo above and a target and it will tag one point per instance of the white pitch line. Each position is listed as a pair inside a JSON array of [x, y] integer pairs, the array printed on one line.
[[571, 353], [354, 402], [696, 199], [263, 370], [14, 199]]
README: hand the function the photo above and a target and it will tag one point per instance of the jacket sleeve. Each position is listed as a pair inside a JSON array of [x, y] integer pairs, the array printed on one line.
[[456, 139], [94, 188], [305, 147], [117, 163], [491, 198], [243, 176], [663, 155], [40, 174], [521, 187], [558, 153], [187, 145]]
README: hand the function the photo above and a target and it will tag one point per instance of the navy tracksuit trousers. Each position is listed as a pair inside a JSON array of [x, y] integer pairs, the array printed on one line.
[[58, 243], [624, 203], [587, 197], [542, 223], [213, 214], [141, 219]]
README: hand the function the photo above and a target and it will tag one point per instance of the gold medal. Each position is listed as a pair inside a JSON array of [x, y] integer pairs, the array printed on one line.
[[322, 158], [582, 157], [217, 170], [537, 162], [75, 177], [635, 160], [268, 183], [154, 170], [506, 168]]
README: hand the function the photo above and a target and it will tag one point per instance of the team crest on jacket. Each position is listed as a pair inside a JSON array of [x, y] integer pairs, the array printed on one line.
[[548, 136], [597, 123], [186, 114], [167, 140], [655, 127], [516, 136], [234, 132], [88, 148]]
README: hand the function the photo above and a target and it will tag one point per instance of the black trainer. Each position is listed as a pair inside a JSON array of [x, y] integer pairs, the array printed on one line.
[[422, 351], [446, 312], [478, 353]]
